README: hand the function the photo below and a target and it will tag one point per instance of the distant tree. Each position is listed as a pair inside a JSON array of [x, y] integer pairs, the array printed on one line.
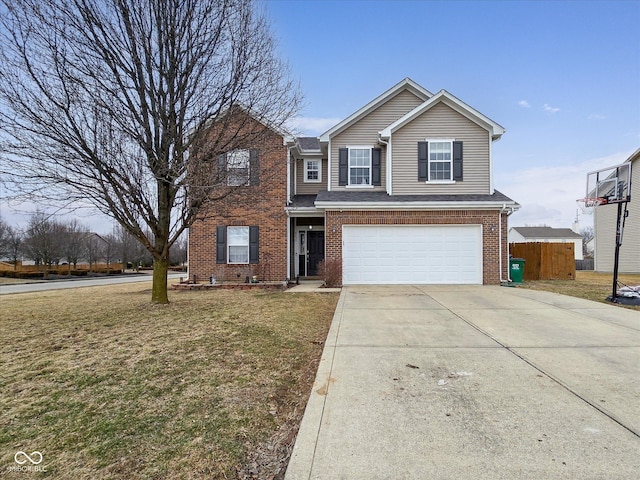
[[15, 241], [5, 229], [588, 234], [74, 247], [43, 241], [178, 254], [94, 249], [111, 249], [104, 101]]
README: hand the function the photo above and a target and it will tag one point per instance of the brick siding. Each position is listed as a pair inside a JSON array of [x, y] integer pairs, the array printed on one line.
[[262, 205]]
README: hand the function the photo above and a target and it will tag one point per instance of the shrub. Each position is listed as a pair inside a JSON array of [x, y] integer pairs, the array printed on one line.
[[331, 272]]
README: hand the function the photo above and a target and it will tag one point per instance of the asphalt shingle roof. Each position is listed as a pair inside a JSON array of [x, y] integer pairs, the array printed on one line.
[[546, 232]]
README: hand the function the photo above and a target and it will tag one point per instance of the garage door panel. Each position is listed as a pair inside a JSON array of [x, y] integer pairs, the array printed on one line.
[[422, 254]]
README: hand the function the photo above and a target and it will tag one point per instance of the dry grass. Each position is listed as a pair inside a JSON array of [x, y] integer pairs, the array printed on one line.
[[590, 285], [107, 386]]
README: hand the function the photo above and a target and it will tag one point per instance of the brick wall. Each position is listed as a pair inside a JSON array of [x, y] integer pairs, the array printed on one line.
[[489, 219], [262, 205]]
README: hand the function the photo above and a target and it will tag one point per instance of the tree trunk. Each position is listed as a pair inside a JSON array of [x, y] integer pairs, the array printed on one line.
[[159, 287]]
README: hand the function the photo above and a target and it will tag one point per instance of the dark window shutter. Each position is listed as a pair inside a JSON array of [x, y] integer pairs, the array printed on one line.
[[221, 244], [222, 167], [457, 161], [253, 244], [423, 161], [376, 166], [343, 166], [254, 168]]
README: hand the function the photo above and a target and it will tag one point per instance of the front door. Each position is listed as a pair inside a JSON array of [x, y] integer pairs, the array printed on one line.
[[315, 251]]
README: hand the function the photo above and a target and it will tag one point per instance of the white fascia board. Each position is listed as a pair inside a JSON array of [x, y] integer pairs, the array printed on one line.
[[456, 104], [416, 205], [407, 83]]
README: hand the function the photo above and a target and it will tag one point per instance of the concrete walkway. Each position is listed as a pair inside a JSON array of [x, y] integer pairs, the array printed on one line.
[[478, 382]]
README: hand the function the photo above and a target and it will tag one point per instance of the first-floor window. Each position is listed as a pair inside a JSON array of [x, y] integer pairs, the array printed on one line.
[[440, 160], [359, 166], [238, 244]]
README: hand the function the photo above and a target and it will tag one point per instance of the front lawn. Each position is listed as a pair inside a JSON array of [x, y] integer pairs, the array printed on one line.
[[106, 385]]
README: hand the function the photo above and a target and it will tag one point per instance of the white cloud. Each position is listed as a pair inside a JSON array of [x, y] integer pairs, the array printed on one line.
[[550, 109], [311, 125], [524, 104], [548, 194], [596, 116]]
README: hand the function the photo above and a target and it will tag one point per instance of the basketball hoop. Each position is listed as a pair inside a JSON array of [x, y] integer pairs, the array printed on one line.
[[588, 205]]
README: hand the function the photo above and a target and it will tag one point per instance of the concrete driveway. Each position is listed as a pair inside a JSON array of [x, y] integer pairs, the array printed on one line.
[[478, 382]]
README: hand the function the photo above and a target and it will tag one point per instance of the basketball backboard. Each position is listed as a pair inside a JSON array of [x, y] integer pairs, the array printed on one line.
[[612, 184]]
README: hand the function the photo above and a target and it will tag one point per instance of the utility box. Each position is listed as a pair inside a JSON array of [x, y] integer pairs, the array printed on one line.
[[516, 269]]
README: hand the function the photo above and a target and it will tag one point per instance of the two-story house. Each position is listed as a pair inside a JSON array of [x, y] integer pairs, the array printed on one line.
[[399, 192]]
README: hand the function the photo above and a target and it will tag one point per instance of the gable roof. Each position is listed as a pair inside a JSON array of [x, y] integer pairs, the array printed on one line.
[[546, 232], [456, 104], [406, 84]]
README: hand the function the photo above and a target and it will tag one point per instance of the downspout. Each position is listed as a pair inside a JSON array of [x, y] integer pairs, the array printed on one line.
[[288, 218], [288, 176], [502, 210], [388, 166]]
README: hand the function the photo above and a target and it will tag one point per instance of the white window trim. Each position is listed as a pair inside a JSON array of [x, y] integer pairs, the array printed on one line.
[[229, 245], [306, 170], [359, 147], [450, 181]]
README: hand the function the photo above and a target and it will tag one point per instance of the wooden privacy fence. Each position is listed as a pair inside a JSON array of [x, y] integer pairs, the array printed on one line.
[[546, 261]]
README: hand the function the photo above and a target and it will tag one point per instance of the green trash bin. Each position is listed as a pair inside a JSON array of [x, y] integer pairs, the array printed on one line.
[[516, 269]]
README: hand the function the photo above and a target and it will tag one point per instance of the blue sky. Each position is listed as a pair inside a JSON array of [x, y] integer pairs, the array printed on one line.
[[562, 77]]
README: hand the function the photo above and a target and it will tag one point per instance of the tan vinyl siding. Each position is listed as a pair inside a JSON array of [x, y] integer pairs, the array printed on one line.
[[441, 121], [605, 231], [310, 188], [365, 132]]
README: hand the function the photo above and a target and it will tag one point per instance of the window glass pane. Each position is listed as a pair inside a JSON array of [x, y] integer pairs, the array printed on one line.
[[359, 166], [238, 235], [238, 242], [440, 160], [313, 169], [238, 254], [238, 168]]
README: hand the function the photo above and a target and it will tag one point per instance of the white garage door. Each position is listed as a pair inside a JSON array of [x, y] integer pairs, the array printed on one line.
[[411, 254]]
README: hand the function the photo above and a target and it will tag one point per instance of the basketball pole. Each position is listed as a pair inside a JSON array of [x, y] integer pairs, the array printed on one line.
[[622, 215]]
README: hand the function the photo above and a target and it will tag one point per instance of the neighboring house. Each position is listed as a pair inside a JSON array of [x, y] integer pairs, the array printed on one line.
[[604, 227], [547, 234], [399, 192]]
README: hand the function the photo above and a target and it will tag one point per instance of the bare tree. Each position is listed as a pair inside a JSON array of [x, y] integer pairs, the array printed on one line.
[[43, 242], [5, 230], [94, 249], [104, 100], [587, 235], [74, 247]]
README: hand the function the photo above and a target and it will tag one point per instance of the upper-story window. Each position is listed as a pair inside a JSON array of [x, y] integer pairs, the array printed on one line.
[[440, 160], [359, 166], [313, 171], [238, 168]]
